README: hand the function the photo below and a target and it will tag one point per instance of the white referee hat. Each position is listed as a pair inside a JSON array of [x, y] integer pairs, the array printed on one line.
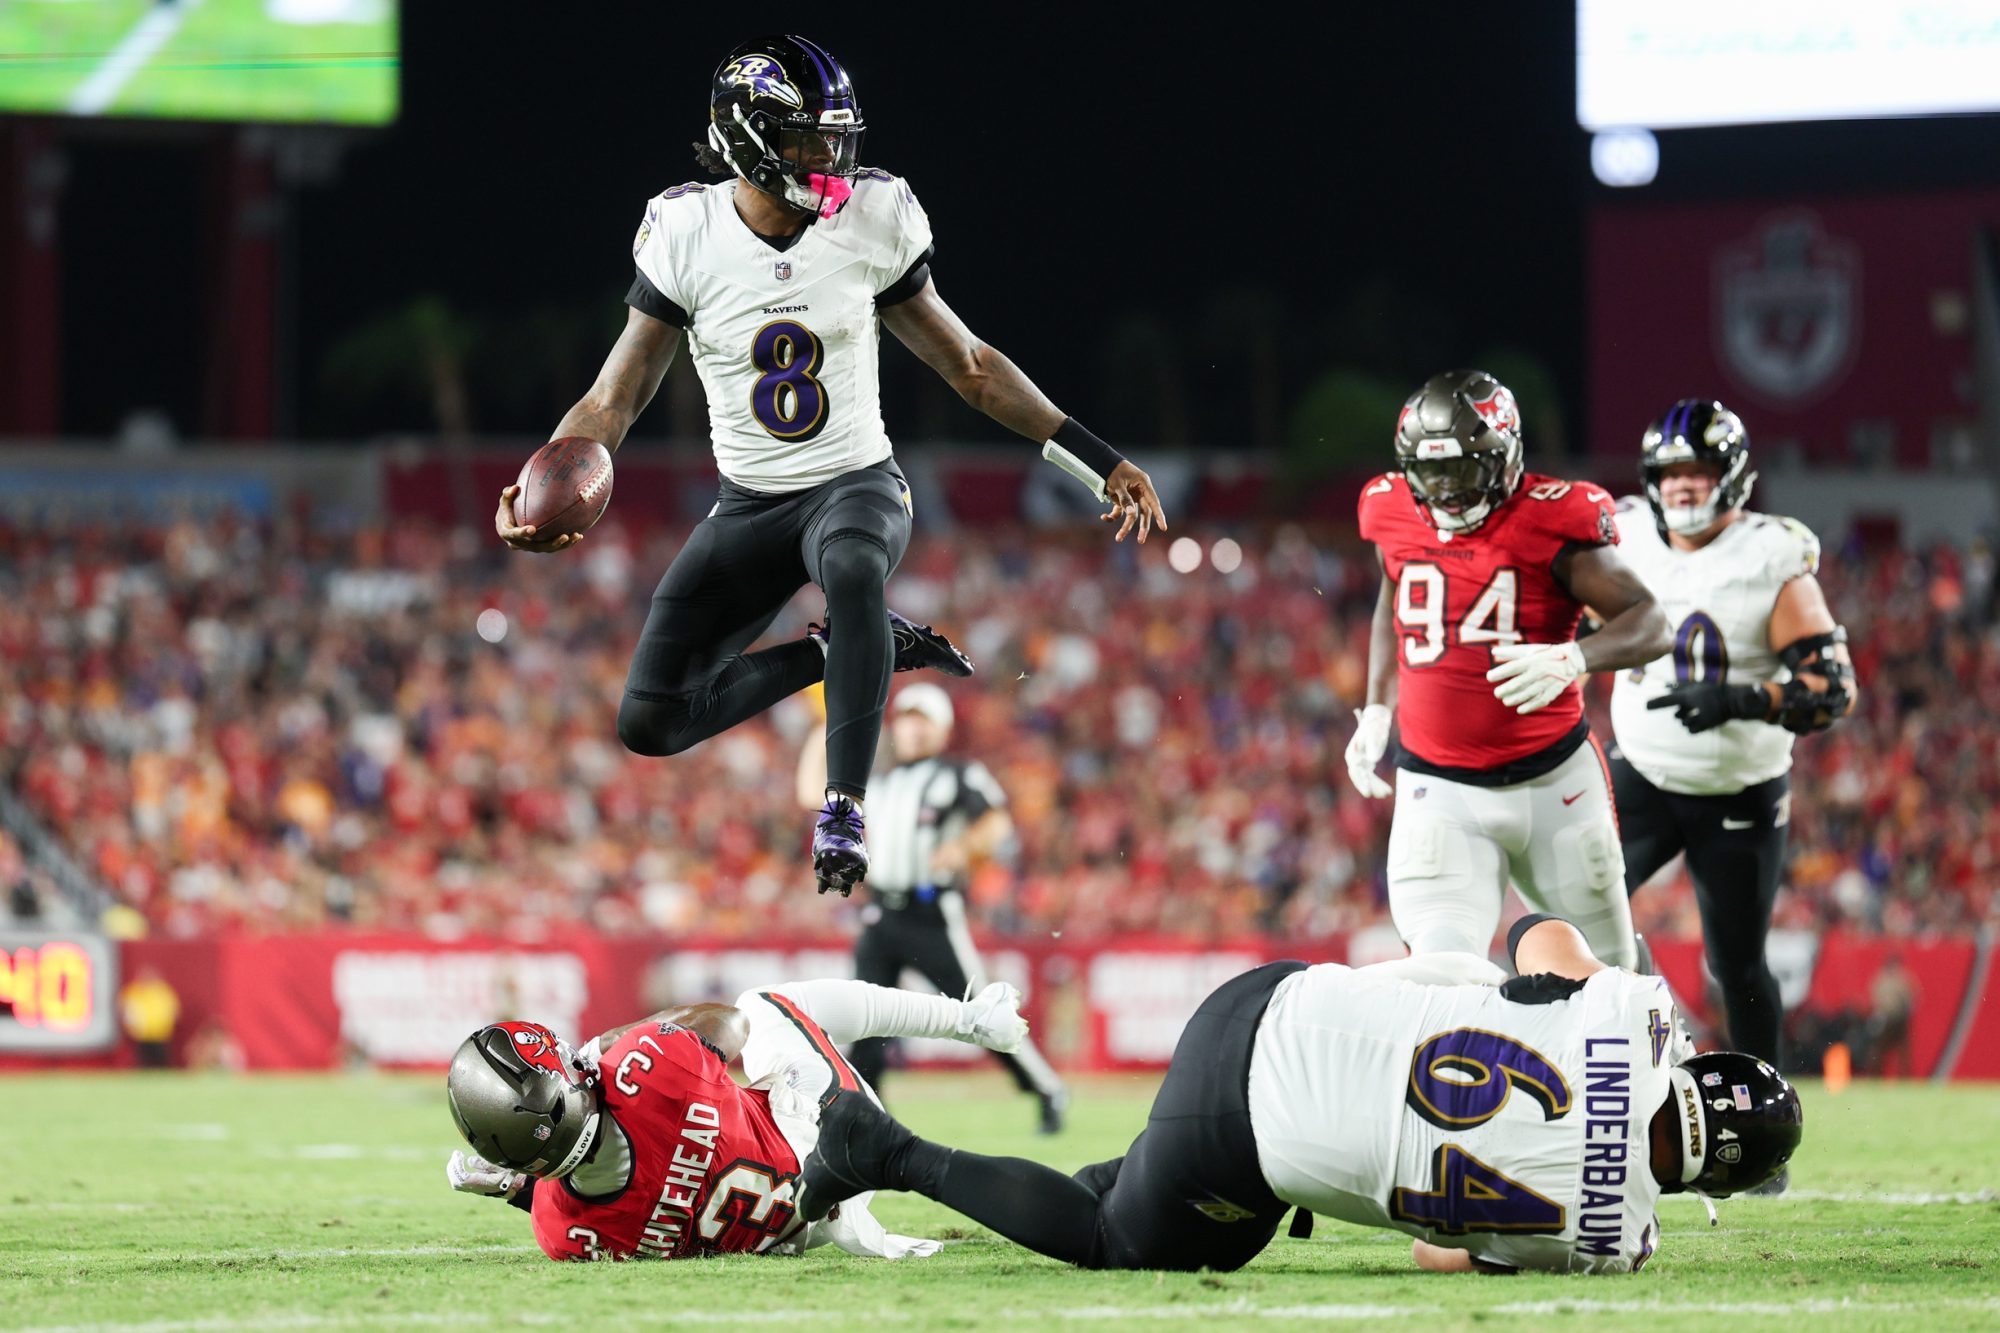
[[927, 699]]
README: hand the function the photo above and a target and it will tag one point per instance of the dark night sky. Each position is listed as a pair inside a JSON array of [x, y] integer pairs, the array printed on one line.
[[1395, 192]]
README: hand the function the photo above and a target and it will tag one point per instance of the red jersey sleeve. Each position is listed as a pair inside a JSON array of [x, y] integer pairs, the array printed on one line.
[[1372, 510], [1570, 512]]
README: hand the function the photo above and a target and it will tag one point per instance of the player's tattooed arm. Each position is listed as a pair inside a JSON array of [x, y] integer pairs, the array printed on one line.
[[723, 1027], [626, 383], [985, 378], [1635, 628], [629, 378]]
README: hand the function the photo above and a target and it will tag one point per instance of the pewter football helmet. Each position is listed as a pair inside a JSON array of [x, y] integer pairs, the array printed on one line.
[[518, 1098]]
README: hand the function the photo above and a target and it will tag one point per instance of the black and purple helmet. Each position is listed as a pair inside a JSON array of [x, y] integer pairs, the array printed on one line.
[[783, 115]]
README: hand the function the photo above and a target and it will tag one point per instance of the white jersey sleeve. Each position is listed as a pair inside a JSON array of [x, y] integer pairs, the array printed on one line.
[[1718, 600], [908, 228], [663, 233]]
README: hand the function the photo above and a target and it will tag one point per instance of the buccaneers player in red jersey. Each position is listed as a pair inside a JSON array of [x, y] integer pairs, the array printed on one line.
[[642, 1146], [1486, 571]]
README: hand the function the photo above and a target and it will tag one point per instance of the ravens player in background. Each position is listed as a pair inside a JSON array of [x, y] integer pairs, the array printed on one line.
[[1704, 735], [1486, 570], [779, 279], [1528, 1125]]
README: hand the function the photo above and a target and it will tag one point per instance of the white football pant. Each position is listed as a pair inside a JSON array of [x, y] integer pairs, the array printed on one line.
[[1454, 847]]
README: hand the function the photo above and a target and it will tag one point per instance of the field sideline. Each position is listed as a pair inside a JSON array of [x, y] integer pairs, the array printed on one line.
[[177, 1202]]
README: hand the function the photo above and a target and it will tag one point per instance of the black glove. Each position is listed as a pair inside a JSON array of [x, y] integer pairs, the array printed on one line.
[[1705, 705]]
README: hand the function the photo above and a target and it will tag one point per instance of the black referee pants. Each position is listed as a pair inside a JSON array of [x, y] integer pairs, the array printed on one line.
[[915, 938], [1735, 847]]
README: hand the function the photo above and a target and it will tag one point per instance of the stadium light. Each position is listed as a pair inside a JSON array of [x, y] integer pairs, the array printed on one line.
[[1625, 157]]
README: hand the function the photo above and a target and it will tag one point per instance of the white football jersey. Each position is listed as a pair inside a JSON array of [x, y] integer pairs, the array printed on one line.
[[785, 341], [1719, 600], [1518, 1132]]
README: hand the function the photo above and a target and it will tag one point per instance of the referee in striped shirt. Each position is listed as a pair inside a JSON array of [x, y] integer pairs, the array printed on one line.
[[930, 818]]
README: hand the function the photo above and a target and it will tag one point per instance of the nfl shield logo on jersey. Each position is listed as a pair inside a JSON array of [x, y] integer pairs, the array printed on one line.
[[783, 270]]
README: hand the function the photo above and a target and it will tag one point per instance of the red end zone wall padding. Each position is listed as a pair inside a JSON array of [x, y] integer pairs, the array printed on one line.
[[330, 1000]]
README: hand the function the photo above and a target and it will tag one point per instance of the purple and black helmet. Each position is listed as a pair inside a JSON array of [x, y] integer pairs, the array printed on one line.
[[783, 116]]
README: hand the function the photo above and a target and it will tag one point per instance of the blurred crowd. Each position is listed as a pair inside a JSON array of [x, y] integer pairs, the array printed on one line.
[[270, 727]]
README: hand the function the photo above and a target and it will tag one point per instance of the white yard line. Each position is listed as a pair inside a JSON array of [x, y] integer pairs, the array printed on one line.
[[96, 93], [1100, 1313]]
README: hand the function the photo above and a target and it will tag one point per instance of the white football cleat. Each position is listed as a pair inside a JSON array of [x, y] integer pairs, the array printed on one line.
[[993, 1019]]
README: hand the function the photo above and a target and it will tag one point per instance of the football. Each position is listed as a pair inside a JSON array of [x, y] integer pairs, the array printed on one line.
[[564, 487]]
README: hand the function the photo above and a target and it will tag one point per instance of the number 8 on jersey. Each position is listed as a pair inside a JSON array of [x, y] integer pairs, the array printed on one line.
[[786, 400]]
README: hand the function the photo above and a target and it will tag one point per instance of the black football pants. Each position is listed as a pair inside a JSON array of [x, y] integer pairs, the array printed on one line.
[[690, 677], [1735, 847]]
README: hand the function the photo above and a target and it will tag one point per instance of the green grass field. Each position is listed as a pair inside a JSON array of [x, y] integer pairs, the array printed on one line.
[[214, 1203], [214, 60]]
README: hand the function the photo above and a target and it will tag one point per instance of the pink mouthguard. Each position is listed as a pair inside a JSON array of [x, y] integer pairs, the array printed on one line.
[[833, 192]]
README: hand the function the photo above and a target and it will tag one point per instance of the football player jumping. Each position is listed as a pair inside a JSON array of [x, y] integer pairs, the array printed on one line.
[[1531, 1125], [1757, 660], [1486, 571], [780, 280], [641, 1145]]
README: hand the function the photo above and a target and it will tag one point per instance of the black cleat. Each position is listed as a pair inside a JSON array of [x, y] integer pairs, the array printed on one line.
[[919, 647], [856, 1140], [1054, 1106]]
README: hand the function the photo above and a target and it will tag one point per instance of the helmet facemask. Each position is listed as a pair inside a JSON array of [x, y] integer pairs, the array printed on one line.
[[1459, 491], [810, 166]]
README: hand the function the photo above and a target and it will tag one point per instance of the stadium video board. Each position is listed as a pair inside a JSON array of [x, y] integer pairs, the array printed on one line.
[[298, 61], [1751, 62]]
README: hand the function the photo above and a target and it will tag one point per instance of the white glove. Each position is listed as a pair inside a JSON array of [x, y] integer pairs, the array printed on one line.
[[1530, 675], [993, 1019], [1370, 743], [472, 1174]]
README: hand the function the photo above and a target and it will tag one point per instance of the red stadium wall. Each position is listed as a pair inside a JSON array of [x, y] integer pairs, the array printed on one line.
[[1841, 326], [325, 1001]]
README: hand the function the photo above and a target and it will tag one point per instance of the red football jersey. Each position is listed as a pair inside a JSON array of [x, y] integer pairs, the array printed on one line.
[[1460, 594], [711, 1173]]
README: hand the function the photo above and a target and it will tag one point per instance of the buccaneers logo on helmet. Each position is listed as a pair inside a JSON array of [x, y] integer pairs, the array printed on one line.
[[537, 1046]]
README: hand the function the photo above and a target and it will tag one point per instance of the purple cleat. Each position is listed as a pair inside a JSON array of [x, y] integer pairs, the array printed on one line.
[[840, 857]]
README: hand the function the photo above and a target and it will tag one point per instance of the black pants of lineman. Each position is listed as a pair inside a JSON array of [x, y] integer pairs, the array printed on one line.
[[914, 937], [1735, 847], [1187, 1194], [690, 677]]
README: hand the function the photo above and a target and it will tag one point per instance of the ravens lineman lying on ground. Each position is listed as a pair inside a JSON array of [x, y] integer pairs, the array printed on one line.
[[1530, 1125], [780, 279]]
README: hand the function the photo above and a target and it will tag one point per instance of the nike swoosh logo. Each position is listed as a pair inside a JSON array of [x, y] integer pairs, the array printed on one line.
[[1739, 823], [1596, 496], [1567, 800]]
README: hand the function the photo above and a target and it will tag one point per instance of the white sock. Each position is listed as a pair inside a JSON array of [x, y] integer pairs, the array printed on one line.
[[832, 796], [851, 1010]]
